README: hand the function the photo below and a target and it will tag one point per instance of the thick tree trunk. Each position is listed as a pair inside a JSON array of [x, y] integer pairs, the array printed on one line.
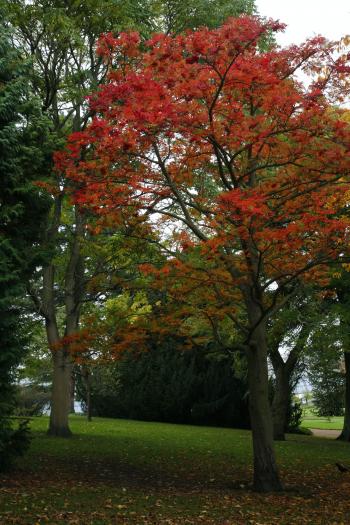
[[266, 477], [345, 434], [60, 394], [280, 404], [61, 389]]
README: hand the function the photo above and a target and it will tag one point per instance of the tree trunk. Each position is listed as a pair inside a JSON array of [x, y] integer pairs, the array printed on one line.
[[87, 380], [280, 403], [61, 388], [60, 394], [266, 477], [62, 363], [283, 373], [345, 434], [72, 392], [88, 399]]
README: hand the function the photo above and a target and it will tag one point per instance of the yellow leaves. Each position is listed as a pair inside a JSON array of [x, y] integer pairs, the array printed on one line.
[[344, 42], [127, 305]]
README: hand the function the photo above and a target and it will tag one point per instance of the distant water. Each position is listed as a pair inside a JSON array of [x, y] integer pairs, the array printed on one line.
[[77, 408]]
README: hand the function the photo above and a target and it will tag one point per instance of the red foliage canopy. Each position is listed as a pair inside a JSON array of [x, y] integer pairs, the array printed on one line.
[[205, 130]]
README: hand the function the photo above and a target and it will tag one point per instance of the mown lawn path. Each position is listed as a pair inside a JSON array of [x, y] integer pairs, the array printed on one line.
[[325, 433]]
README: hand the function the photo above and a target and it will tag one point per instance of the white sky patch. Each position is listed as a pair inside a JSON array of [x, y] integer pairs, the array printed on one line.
[[307, 18]]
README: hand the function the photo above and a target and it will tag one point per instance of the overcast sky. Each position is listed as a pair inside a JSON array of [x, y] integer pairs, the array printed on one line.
[[305, 18]]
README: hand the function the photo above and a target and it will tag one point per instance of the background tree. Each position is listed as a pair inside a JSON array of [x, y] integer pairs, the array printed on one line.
[[342, 288], [327, 381], [34, 375], [174, 16], [289, 333]]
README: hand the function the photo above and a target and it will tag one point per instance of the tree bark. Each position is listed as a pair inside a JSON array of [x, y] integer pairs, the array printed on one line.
[[60, 395], [88, 401], [266, 476], [72, 392], [60, 401], [87, 381], [345, 434], [283, 388], [280, 403], [62, 362]]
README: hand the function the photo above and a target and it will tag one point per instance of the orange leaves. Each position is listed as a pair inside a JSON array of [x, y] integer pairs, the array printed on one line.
[[242, 204], [78, 344]]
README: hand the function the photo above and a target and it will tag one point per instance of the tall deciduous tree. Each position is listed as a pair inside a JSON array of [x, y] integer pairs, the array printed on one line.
[[205, 131], [288, 340], [60, 36], [174, 16]]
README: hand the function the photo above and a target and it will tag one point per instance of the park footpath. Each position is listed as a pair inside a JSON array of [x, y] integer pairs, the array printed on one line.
[[325, 433]]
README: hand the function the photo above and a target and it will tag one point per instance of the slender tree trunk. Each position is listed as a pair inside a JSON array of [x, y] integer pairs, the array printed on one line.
[[62, 362], [85, 372], [266, 476], [88, 397], [72, 392], [345, 434], [280, 403], [283, 388], [88, 400]]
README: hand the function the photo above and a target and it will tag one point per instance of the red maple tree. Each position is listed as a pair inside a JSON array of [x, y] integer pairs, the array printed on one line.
[[208, 137]]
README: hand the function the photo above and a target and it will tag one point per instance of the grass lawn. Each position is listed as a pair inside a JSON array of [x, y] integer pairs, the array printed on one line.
[[332, 423], [130, 472]]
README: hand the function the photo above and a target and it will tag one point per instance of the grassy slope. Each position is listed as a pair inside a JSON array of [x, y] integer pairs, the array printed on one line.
[[115, 471]]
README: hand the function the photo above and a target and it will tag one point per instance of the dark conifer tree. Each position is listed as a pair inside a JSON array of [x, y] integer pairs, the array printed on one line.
[[22, 137]]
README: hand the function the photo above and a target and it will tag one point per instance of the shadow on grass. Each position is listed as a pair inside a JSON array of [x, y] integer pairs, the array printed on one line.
[[131, 462]]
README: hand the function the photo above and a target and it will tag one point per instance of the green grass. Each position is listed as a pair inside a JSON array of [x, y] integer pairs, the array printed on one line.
[[131, 472], [332, 423]]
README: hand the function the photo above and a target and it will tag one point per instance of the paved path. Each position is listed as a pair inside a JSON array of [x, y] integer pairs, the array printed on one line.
[[321, 432]]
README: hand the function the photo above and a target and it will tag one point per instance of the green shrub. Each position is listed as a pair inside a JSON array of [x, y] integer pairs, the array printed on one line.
[[31, 400], [14, 440], [170, 384]]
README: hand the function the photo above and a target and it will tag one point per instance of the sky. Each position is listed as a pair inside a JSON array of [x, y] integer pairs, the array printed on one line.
[[307, 18]]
